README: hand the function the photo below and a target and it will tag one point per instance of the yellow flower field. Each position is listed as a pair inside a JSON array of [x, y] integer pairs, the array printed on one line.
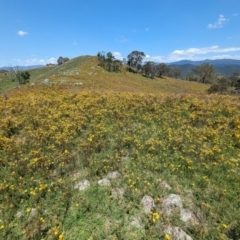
[[48, 133]]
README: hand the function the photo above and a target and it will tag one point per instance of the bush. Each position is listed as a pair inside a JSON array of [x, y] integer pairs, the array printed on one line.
[[220, 86]]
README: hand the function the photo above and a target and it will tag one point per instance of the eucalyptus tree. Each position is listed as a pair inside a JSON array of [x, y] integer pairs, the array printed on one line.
[[161, 69], [22, 77], [206, 72], [149, 69], [135, 58]]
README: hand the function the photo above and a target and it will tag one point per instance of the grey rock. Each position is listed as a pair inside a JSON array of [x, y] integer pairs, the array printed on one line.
[[19, 214], [113, 175], [104, 182], [82, 185], [165, 185], [78, 84], [33, 212], [137, 222], [148, 203], [170, 203], [118, 192], [176, 233], [76, 175], [187, 216], [46, 81]]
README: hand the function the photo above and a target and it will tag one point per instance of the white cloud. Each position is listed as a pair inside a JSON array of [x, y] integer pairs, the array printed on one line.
[[155, 58], [118, 55], [52, 60], [219, 23], [22, 33], [193, 52], [196, 54], [35, 61], [235, 14]]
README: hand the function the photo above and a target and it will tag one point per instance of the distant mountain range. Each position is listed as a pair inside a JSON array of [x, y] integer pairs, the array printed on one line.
[[217, 62], [22, 67], [224, 67]]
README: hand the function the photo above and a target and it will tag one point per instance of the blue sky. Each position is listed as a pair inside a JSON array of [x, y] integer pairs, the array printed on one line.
[[39, 31]]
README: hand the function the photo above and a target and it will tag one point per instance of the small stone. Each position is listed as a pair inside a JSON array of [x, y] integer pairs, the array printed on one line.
[[19, 214], [82, 185], [113, 175], [33, 212], [165, 185], [148, 203], [187, 216], [104, 182], [118, 192], [170, 203], [76, 175], [176, 233], [136, 222], [46, 81]]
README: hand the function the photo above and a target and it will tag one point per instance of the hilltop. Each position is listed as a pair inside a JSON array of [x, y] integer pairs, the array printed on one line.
[[84, 71]]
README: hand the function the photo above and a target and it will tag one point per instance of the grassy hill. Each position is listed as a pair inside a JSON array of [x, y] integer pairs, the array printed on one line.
[[84, 161], [85, 70]]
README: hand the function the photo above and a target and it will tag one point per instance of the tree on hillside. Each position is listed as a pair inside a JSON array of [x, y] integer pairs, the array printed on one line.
[[206, 72], [110, 57], [101, 58], [220, 86], [135, 58], [193, 77], [21, 77], [108, 62], [237, 85], [176, 72], [62, 60], [124, 61], [149, 69], [161, 69], [234, 79]]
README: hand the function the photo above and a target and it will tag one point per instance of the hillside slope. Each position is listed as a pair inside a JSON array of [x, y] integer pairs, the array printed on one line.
[[84, 73]]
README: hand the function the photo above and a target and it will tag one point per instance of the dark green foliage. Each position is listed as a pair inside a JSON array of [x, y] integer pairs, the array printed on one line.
[[192, 77], [220, 86], [108, 62], [62, 60], [135, 58], [23, 77], [206, 72], [149, 69], [161, 69], [235, 79], [174, 72]]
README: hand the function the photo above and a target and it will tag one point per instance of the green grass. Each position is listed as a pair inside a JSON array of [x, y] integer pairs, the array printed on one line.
[[7, 81], [67, 68], [85, 70], [48, 135], [150, 131]]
